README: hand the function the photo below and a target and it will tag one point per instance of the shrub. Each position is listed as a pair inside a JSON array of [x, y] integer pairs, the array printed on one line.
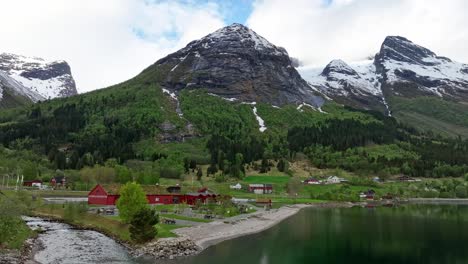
[[142, 226], [460, 191], [446, 195], [220, 178], [132, 200]]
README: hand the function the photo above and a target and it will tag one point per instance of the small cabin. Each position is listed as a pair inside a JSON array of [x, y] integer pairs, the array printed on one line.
[[263, 202], [58, 181], [311, 181]]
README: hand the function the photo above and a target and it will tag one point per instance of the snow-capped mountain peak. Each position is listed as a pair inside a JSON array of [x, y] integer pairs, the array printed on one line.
[[338, 66], [50, 79], [235, 62], [242, 34], [402, 61]]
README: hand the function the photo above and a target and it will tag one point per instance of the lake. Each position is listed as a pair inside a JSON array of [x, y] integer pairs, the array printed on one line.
[[405, 234]]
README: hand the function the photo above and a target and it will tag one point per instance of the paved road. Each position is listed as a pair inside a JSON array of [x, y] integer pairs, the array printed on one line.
[[62, 200]]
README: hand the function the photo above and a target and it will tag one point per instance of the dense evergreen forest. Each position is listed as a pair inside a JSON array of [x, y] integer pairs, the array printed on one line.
[[133, 130]]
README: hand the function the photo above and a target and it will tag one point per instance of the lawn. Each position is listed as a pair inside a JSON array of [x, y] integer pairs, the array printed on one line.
[[52, 193], [166, 230]]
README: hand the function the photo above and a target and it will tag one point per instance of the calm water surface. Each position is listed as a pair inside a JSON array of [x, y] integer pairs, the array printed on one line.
[[408, 234], [413, 234]]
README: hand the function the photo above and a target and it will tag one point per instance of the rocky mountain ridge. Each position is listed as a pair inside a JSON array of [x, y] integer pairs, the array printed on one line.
[[401, 68]]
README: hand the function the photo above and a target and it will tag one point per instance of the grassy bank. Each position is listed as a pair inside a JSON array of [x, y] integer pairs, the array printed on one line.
[[13, 230]]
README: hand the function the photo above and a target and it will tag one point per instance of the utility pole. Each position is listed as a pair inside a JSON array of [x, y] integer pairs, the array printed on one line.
[[17, 181]]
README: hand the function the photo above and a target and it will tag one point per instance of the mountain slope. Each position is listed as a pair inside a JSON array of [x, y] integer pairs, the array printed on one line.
[[234, 62], [14, 94], [49, 79]]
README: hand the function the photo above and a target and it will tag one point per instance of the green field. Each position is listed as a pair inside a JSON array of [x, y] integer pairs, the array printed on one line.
[[267, 179]]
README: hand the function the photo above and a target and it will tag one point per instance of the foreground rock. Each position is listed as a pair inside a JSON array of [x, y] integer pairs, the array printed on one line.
[[169, 248]]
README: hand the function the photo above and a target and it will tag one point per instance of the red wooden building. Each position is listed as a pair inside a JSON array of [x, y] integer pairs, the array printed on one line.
[[33, 183], [100, 195]]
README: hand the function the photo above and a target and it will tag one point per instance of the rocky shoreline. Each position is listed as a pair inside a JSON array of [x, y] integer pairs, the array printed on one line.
[[25, 255], [168, 248]]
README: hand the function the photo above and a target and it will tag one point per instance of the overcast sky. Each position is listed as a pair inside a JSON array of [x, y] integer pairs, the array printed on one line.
[[110, 41]]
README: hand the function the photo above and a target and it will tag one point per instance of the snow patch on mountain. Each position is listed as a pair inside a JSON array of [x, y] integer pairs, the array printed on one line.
[[174, 97], [261, 122], [442, 70], [319, 109], [49, 88], [224, 98], [6, 82]]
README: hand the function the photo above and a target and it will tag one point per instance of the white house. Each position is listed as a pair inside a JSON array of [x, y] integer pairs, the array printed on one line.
[[333, 180], [238, 186]]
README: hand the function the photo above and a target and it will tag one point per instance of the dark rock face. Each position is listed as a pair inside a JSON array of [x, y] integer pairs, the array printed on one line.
[[235, 62], [401, 49], [49, 79]]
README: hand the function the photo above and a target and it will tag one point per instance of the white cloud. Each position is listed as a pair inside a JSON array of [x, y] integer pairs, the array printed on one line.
[[98, 38], [354, 29]]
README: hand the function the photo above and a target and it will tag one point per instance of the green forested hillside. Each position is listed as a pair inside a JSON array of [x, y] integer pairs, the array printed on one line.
[[434, 114], [132, 131]]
